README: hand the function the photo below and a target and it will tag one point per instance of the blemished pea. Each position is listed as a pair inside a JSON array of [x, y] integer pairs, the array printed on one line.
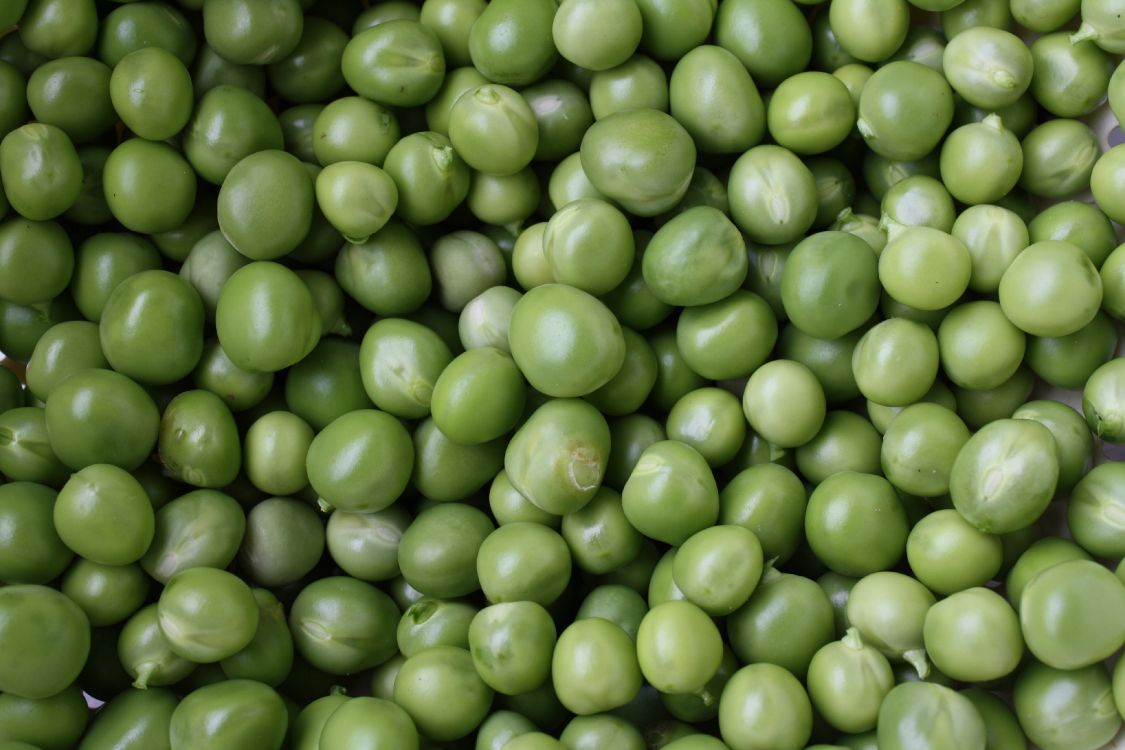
[[1005, 475], [400, 362], [772, 195], [643, 159], [207, 614], [993, 236], [398, 63], [948, 554], [1050, 275], [1057, 614], [595, 667], [1071, 78], [201, 528], [1101, 402], [523, 561], [727, 339], [238, 712], [744, 720], [896, 362], [1070, 708], [342, 625], [1058, 158], [918, 200], [856, 524], [847, 681], [895, 89], [925, 268], [564, 341], [714, 97], [925, 712], [770, 58], [829, 285], [1092, 511], [671, 493], [988, 67]]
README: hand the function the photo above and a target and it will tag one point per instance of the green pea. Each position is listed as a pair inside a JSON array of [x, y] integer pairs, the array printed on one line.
[[829, 271], [973, 14], [442, 693], [1070, 78], [637, 83], [925, 714], [311, 72], [145, 653], [1043, 16], [1079, 224], [973, 635], [207, 614], [784, 403], [571, 236], [376, 470], [918, 200], [1001, 727], [57, 721], [269, 655], [711, 421], [398, 63], [1105, 181], [46, 640], [770, 58], [829, 359], [988, 67], [772, 195], [948, 554], [744, 720], [252, 32], [233, 713], [103, 514], [54, 85], [42, 175], [888, 610], [33, 552], [212, 69], [265, 204], [214, 144], [898, 88], [275, 447], [511, 646], [280, 301], [388, 273], [671, 493], [848, 681], [678, 647], [1056, 614], [981, 162], [510, 42], [727, 339], [64, 349], [151, 91], [1092, 510], [978, 408], [485, 319], [1066, 708], [283, 542], [1058, 158], [523, 561], [201, 528], [925, 268], [643, 159], [993, 236], [599, 535], [848, 22], [594, 667], [713, 96], [341, 625], [1051, 275], [400, 362], [149, 187], [140, 716]]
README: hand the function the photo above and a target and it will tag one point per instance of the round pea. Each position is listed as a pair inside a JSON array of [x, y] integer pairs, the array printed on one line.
[[829, 285], [1057, 614], [678, 647], [511, 645], [1050, 275], [46, 639], [595, 667], [714, 97], [341, 625], [744, 719]]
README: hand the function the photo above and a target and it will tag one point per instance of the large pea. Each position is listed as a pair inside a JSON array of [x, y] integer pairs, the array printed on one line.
[[252, 32], [103, 514], [511, 41], [229, 124], [671, 493], [45, 637], [201, 528], [151, 91], [284, 541], [829, 285], [772, 195], [232, 713], [925, 714], [149, 186], [713, 96], [588, 244], [388, 273], [399, 63], [36, 260], [341, 625], [266, 204], [479, 396], [140, 716], [42, 175], [361, 461], [697, 258]]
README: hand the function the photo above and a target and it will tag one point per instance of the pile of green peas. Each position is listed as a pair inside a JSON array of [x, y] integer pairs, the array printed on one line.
[[580, 375]]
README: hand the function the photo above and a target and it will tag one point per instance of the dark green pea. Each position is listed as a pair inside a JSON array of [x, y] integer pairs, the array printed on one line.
[[1072, 438], [64, 349], [284, 540], [268, 658], [599, 535], [729, 338], [100, 416], [134, 719], [769, 58], [280, 302], [1070, 79], [1069, 361], [974, 13], [52, 89], [711, 421], [149, 186], [881, 173], [386, 10], [1065, 708], [365, 720], [297, 129], [201, 528], [14, 109], [239, 389], [25, 450], [145, 653], [713, 97], [829, 359], [151, 92], [46, 639], [342, 625], [505, 200], [769, 500], [42, 175], [211, 70], [106, 593], [57, 28], [265, 204], [767, 264], [90, 207], [447, 471], [311, 72], [437, 550], [1002, 729], [697, 258], [835, 192], [233, 713], [633, 301], [207, 267], [129, 28], [252, 32], [846, 442], [54, 722], [177, 242], [1079, 224], [22, 326], [457, 81], [399, 63], [151, 327], [1018, 117], [827, 53], [33, 551], [978, 408], [509, 506], [562, 114], [198, 442], [432, 178], [828, 271], [510, 42], [479, 382], [558, 457], [895, 89], [207, 614], [633, 383], [925, 714], [327, 383], [15, 52], [434, 622], [229, 123], [388, 273], [1058, 158], [377, 468], [855, 523], [304, 733]]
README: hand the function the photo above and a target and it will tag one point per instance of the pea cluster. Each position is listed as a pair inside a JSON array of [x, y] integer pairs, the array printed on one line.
[[561, 375]]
